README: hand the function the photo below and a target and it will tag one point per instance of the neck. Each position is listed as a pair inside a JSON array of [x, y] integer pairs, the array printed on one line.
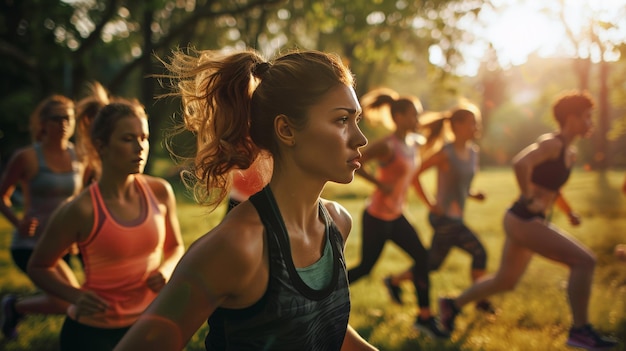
[[568, 137], [297, 200], [116, 187], [55, 144]]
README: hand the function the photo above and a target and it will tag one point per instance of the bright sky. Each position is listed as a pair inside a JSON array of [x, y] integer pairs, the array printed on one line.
[[517, 28]]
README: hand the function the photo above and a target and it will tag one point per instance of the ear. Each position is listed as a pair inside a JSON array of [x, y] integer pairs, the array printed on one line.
[[99, 147], [284, 130]]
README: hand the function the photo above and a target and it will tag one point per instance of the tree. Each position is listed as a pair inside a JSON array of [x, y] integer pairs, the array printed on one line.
[[60, 45], [596, 39]]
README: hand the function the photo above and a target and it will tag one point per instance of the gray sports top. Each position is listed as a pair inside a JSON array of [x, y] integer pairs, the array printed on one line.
[[454, 183], [47, 191]]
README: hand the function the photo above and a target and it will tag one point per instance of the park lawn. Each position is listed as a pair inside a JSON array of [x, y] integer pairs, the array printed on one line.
[[535, 316]]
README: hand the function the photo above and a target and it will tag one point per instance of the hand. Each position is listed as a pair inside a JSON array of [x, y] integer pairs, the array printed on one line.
[[574, 218], [89, 303], [28, 226], [156, 281], [480, 196]]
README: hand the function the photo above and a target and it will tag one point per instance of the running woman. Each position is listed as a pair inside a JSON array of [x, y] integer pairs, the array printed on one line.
[[541, 170], [456, 164], [397, 159], [271, 275]]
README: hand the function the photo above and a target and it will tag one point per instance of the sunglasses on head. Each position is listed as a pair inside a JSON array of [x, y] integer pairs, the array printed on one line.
[[58, 118]]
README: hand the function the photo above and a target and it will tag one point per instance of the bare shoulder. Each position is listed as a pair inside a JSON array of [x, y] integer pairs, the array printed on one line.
[[161, 188], [340, 216], [23, 159], [549, 145], [76, 215], [232, 252]]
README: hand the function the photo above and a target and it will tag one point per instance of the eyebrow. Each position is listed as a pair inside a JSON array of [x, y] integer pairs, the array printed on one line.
[[347, 109]]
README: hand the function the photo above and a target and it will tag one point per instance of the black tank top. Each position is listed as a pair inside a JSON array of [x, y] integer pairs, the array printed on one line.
[[552, 174], [290, 315]]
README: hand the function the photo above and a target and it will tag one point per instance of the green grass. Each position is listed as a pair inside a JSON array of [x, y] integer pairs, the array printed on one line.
[[535, 316]]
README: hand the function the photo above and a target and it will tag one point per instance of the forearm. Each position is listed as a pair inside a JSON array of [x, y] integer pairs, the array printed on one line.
[[523, 176], [170, 260], [5, 209], [367, 176], [353, 341], [58, 281], [563, 205]]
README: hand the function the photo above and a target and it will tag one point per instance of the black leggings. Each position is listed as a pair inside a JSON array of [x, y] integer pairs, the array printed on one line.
[[450, 232], [375, 233], [21, 257], [79, 337]]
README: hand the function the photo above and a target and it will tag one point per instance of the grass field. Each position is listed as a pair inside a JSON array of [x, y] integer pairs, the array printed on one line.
[[533, 317]]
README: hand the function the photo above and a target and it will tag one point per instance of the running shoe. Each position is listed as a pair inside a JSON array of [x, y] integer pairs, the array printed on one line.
[[587, 338], [430, 327], [10, 317], [447, 313], [395, 292]]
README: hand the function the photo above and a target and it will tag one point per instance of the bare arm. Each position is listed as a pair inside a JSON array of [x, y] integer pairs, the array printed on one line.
[[13, 174], [173, 247], [218, 270], [438, 159], [379, 150], [564, 206], [353, 341], [525, 161], [68, 223]]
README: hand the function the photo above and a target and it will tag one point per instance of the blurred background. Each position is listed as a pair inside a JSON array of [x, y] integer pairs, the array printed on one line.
[[508, 56]]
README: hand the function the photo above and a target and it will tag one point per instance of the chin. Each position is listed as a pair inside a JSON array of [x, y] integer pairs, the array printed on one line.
[[345, 180]]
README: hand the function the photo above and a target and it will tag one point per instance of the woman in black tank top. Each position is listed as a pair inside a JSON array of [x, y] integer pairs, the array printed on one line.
[[249, 276], [541, 169]]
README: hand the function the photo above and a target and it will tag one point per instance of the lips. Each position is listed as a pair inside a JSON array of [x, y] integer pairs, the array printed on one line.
[[356, 161]]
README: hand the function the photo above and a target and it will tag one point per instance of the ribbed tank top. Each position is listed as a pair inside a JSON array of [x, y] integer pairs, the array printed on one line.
[[118, 259], [290, 315], [48, 190], [454, 182], [398, 171]]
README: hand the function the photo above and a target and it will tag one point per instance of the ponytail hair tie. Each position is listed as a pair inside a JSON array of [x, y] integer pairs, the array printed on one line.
[[260, 68]]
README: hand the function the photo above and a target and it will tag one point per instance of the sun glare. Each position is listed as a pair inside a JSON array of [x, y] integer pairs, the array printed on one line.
[[519, 28]]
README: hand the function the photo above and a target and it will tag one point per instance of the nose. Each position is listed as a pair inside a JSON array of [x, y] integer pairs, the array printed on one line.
[[358, 138]]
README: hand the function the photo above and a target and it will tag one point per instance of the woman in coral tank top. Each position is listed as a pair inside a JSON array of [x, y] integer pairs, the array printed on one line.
[[126, 227]]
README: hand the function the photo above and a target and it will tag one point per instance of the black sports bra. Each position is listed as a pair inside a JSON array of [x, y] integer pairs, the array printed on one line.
[[552, 174]]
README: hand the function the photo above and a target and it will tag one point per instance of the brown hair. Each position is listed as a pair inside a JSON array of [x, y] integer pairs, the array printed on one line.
[[441, 127], [106, 119], [86, 110], [571, 103], [43, 111], [230, 103], [376, 99]]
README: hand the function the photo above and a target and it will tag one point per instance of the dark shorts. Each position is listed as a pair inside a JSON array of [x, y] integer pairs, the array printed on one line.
[[79, 337], [21, 257], [521, 210]]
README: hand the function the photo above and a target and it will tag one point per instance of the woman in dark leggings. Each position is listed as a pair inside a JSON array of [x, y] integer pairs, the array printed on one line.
[[456, 163], [383, 218]]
